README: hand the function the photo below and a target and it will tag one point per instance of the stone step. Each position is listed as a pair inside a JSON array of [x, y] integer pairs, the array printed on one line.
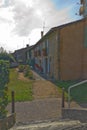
[[56, 125]]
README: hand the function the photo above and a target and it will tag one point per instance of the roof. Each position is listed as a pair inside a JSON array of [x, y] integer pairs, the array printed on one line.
[[23, 49], [55, 28]]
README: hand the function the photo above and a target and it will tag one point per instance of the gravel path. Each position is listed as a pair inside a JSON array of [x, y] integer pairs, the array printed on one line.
[[37, 110], [45, 106]]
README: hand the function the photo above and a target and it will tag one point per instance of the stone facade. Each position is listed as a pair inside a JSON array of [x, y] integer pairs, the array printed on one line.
[[61, 54], [73, 58], [22, 55], [71, 44], [44, 55]]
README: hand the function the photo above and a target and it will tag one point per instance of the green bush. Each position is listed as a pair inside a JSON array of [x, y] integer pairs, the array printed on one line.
[[30, 75], [21, 68], [4, 79], [27, 72]]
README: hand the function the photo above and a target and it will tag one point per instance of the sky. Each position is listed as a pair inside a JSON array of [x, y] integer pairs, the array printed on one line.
[[21, 21]]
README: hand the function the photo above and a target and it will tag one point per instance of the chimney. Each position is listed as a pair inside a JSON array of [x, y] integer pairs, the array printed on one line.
[[42, 34], [27, 45]]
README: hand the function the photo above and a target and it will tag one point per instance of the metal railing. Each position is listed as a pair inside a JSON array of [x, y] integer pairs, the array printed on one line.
[[72, 86]]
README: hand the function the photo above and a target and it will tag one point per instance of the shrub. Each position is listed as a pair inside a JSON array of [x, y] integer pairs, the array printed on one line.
[[27, 72], [4, 79], [21, 68]]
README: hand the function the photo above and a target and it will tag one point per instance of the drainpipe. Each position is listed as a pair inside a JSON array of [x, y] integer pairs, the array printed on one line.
[[58, 41], [72, 86]]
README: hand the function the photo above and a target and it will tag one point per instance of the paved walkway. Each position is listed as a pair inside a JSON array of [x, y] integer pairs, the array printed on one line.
[[37, 110], [45, 106]]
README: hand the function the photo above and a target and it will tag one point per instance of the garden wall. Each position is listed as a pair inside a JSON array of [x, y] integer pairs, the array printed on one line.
[[75, 114], [7, 122]]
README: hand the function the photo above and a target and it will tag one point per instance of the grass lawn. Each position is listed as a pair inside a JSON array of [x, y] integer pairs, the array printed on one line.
[[22, 89], [78, 93]]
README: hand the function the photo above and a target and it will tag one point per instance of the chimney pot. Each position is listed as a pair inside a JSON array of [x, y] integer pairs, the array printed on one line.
[[41, 34], [27, 45]]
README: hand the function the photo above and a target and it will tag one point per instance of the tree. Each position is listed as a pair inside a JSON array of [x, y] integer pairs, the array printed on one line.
[[6, 56]]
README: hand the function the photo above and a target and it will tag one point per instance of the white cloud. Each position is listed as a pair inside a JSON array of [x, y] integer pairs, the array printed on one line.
[[31, 15], [22, 20]]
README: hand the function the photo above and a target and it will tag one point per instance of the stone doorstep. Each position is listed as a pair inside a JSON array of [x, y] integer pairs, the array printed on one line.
[[46, 125]]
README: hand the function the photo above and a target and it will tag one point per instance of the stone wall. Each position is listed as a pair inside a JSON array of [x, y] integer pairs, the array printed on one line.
[[72, 48], [7, 122], [53, 54], [75, 114]]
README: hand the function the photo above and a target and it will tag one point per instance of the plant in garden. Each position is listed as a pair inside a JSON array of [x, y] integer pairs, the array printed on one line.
[[27, 72], [21, 68], [4, 79]]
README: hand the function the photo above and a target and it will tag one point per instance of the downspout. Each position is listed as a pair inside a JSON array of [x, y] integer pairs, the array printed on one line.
[[58, 41], [84, 44]]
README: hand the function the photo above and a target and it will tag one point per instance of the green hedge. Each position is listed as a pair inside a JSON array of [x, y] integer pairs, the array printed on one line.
[[4, 79]]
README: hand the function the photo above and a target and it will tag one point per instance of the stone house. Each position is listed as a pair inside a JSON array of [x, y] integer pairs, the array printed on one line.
[[61, 54], [22, 55]]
